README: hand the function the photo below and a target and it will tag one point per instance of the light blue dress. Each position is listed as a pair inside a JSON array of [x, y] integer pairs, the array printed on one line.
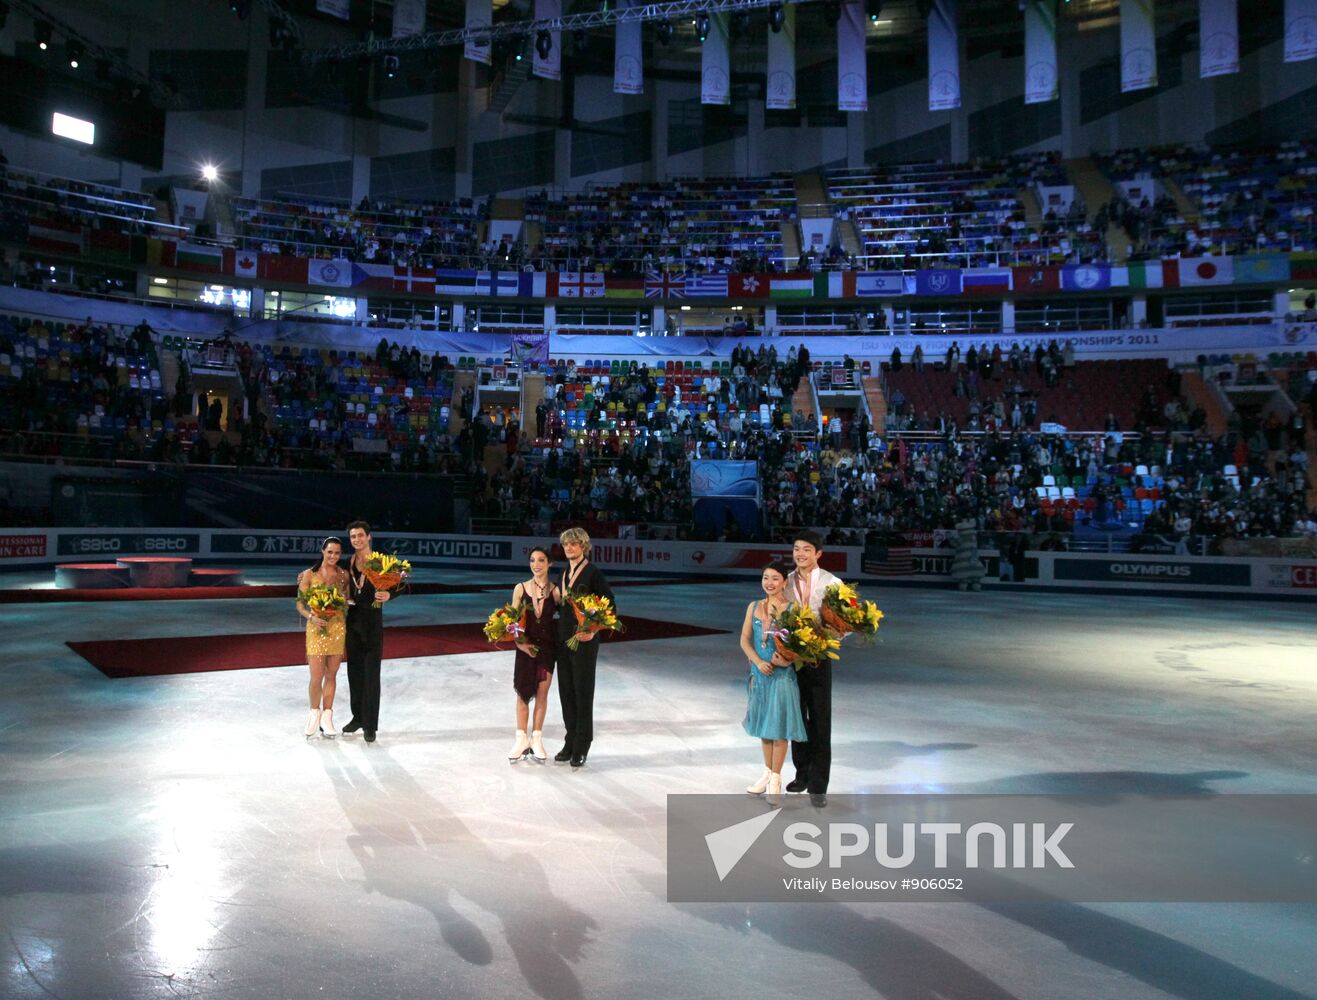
[[773, 708]]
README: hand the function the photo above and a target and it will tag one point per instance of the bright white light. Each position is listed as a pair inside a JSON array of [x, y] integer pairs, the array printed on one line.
[[73, 128], [161, 281], [209, 172], [342, 308]]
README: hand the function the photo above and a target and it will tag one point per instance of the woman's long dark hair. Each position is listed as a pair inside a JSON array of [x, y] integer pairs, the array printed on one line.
[[331, 540]]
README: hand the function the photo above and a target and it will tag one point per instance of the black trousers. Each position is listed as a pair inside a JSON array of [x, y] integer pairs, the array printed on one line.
[[365, 645], [576, 674], [813, 758]]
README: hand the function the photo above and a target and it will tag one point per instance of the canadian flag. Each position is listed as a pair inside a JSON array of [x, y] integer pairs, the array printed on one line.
[[244, 264]]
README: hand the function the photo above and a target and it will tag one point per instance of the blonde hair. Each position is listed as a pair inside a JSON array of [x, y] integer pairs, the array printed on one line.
[[578, 537]]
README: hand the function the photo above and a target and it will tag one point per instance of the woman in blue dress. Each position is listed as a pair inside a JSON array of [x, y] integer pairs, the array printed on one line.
[[773, 709]]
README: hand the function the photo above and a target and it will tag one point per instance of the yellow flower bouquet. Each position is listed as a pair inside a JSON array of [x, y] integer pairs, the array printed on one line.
[[594, 614], [324, 602], [800, 639], [844, 611], [386, 572], [508, 624]]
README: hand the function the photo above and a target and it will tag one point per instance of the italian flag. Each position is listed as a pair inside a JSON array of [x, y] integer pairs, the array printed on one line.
[[1146, 274], [793, 286], [835, 285]]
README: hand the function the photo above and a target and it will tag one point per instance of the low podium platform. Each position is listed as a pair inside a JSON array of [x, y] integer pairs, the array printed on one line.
[[143, 573]]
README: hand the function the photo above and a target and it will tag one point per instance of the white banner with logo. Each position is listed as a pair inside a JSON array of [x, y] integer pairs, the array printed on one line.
[[408, 18], [548, 67], [782, 62], [335, 273], [479, 14], [852, 74], [1300, 30], [1040, 75], [716, 64], [943, 57], [628, 59], [335, 8], [1138, 45], [1218, 31]]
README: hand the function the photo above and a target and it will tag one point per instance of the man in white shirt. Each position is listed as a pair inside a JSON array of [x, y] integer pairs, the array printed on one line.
[[813, 758]]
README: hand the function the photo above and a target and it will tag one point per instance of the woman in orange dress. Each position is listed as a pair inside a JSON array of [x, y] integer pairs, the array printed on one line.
[[325, 641]]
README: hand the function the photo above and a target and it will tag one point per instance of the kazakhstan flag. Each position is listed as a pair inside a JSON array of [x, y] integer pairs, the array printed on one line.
[[1262, 269]]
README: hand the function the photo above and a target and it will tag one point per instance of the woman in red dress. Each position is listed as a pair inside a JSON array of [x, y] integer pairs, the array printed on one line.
[[533, 671]]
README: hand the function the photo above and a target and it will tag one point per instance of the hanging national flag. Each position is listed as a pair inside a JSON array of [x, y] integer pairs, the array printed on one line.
[[747, 286], [665, 286], [413, 280], [891, 562], [497, 283], [938, 281], [1262, 269], [1085, 277], [1303, 266], [1035, 280], [1146, 274], [706, 286], [791, 286], [986, 281], [580, 285], [448, 281], [624, 288], [1205, 271], [199, 257], [379, 276], [280, 269], [56, 236], [332, 273], [244, 264]]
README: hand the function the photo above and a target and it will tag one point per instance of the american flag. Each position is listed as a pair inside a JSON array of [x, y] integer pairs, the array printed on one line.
[[890, 562], [665, 286]]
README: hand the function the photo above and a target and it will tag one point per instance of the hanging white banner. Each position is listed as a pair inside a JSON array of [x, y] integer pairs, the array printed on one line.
[[548, 67], [943, 57], [716, 64], [335, 8], [1218, 33], [479, 14], [782, 62], [628, 59], [1040, 76], [1300, 30], [1138, 45], [408, 18], [852, 74]]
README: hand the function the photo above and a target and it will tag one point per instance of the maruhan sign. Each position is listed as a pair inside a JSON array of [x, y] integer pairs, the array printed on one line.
[[992, 848]]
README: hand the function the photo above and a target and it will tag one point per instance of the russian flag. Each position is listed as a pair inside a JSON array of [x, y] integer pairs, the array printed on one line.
[[991, 281]]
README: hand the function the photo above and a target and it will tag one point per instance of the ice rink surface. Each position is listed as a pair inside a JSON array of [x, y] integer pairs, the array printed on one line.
[[176, 836]]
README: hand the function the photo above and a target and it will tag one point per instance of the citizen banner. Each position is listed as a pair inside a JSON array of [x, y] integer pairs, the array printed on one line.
[[715, 64], [1040, 76], [943, 57], [782, 62], [852, 76], [1218, 31], [479, 14], [1138, 45], [548, 67], [628, 56], [1300, 30]]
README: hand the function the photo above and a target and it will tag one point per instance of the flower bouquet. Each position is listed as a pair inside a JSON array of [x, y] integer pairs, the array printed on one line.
[[386, 572], [844, 612], [324, 602], [800, 640], [508, 624], [594, 614]]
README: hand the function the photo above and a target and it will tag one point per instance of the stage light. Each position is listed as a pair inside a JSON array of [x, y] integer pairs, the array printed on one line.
[[874, 9], [209, 172], [74, 50], [543, 43], [521, 47], [73, 128], [390, 66], [664, 32], [777, 17], [41, 31], [702, 26]]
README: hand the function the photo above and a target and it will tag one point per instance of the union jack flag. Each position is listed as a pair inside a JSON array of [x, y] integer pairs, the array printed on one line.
[[665, 286]]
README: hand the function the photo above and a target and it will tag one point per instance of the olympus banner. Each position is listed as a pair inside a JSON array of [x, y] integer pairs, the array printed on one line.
[[1208, 572]]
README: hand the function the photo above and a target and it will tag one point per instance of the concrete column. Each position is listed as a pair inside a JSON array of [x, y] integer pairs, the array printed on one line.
[[1008, 316]]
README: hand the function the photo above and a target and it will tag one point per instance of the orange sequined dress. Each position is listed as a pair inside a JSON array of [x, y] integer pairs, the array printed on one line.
[[327, 638]]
